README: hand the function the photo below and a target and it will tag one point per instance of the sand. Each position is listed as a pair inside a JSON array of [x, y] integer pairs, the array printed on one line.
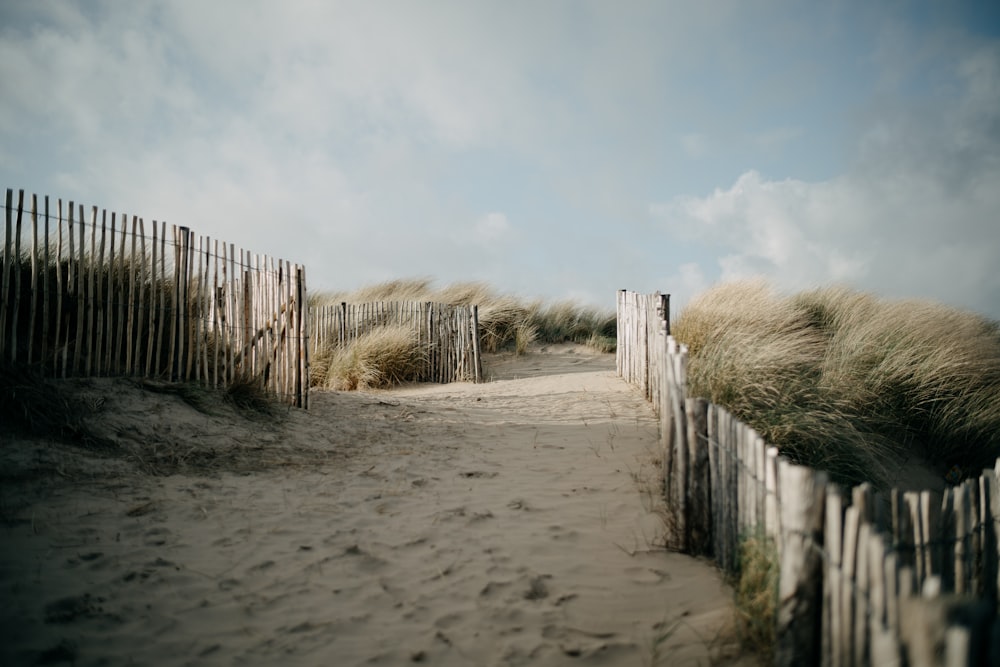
[[515, 522]]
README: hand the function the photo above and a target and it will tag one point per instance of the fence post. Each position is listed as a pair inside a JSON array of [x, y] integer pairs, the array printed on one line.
[[16, 261], [699, 516], [675, 453], [665, 309], [302, 338], [832, 651], [800, 585], [476, 350], [5, 299]]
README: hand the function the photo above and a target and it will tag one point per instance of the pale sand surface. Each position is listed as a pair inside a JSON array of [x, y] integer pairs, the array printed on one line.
[[508, 523]]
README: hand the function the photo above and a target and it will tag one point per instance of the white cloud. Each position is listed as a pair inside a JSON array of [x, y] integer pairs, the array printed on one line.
[[902, 235], [914, 215], [377, 139]]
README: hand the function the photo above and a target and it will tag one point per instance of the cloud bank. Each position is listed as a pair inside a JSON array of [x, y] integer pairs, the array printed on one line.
[[558, 149], [916, 215]]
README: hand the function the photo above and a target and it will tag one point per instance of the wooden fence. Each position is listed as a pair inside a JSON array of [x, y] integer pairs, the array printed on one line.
[[114, 296], [449, 335], [865, 578]]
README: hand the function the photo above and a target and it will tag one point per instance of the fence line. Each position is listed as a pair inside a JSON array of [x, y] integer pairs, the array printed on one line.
[[105, 297], [448, 334], [865, 578]]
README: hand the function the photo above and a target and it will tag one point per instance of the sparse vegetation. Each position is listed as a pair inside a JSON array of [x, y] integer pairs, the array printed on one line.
[[381, 358], [755, 587], [506, 323], [33, 405], [845, 382]]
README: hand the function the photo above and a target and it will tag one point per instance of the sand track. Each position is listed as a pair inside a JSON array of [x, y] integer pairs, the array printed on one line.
[[508, 523]]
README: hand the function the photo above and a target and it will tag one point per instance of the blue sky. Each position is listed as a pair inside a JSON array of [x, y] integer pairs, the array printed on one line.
[[559, 149]]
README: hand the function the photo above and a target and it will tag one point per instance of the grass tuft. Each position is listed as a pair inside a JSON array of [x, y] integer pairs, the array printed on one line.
[[250, 398], [755, 588], [32, 405], [378, 359]]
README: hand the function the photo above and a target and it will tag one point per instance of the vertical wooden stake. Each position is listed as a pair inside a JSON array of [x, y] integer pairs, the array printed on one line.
[[803, 492]]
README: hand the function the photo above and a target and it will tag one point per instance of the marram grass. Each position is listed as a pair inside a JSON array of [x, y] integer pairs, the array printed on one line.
[[846, 382], [378, 359], [755, 588], [505, 323]]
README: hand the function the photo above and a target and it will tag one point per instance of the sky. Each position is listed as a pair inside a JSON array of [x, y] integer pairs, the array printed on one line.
[[559, 149]]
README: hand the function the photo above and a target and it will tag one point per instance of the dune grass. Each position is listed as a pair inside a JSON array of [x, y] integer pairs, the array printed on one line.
[[755, 589], [506, 323], [378, 359], [846, 382]]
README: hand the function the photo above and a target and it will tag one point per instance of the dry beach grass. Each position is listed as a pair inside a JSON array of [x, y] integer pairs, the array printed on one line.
[[847, 382]]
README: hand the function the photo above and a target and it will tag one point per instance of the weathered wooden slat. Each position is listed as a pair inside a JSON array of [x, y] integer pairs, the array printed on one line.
[[218, 311], [302, 337], [947, 541], [105, 292], [963, 529], [803, 492], [154, 306], [859, 599], [33, 312], [876, 594], [175, 312], [145, 306], [91, 268], [991, 543], [61, 343], [930, 518], [832, 649], [848, 562], [6, 302], [715, 512], [35, 278], [76, 277], [890, 569], [732, 496], [15, 260], [699, 519], [134, 301], [122, 296]]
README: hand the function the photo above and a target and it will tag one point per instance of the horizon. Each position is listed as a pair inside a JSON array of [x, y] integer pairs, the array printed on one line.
[[561, 151]]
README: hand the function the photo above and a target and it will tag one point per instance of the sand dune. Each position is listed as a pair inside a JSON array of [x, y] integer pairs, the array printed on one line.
[[508, 523]]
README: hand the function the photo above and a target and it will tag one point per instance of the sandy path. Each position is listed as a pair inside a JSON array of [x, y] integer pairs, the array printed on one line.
[[508, 523]]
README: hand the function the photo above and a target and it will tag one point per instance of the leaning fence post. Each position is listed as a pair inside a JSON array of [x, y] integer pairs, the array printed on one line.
[[800, 598]]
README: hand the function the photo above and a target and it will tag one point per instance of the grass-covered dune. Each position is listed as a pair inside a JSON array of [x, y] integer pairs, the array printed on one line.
[[392, 356], [847, 382]]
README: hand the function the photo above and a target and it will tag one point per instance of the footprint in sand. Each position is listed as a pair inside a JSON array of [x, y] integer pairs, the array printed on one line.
[[365, 560], [69, 609], [156, 537]]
